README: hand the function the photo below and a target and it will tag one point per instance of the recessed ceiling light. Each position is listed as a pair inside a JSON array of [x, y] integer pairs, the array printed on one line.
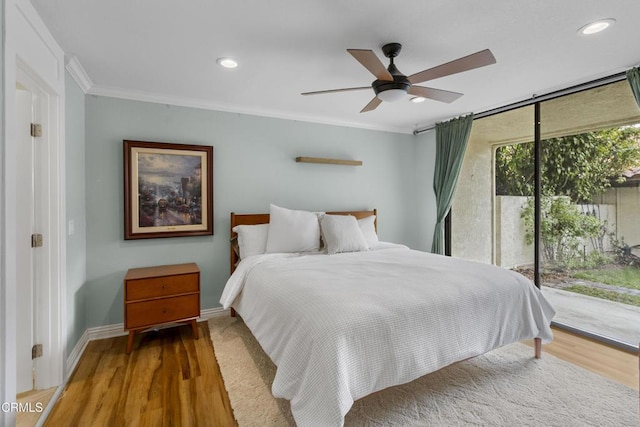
[[597, 26], [418, 99], [227, 62]]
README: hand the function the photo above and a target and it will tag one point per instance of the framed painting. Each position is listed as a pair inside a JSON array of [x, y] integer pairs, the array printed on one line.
[[168, 190]]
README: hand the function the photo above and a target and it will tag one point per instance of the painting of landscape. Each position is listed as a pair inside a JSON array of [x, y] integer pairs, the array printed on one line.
[[168, 190]]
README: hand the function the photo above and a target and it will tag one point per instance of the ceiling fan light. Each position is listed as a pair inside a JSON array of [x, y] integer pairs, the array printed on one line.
[[392, 95], [418, 99]]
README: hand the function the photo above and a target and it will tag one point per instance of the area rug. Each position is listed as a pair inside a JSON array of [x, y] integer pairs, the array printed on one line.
[[506, 387]]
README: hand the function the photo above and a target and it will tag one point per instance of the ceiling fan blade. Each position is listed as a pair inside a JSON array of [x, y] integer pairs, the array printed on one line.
[[466, 63], [372, 63], [372, 105], [437, 94], [320, 92]]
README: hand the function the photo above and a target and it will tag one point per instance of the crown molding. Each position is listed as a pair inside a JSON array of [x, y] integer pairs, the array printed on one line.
[[136, 95], [79, 74]]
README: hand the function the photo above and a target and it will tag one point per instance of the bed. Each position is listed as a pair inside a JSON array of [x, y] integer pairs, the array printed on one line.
[[343, 325]]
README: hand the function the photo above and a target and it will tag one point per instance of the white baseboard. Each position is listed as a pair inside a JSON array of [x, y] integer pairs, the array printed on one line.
[[213, 312], [91, 334], [52, 402], [117, 330], [74, 356]]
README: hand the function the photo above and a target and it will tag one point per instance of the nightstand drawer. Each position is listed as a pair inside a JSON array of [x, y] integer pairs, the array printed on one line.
[[155, 287], [148, 313], [159, 295]]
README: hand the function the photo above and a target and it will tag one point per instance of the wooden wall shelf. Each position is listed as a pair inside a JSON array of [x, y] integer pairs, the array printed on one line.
[[329, 161]]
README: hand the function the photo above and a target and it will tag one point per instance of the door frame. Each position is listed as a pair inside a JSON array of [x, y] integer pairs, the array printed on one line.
[[30, 49], [45, 288]]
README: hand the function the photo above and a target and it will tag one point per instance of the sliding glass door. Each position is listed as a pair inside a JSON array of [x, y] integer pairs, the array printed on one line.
[[590, 210], [588, 234]]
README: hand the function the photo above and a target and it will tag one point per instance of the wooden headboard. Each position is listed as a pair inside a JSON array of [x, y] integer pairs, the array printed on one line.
[[263, 218]]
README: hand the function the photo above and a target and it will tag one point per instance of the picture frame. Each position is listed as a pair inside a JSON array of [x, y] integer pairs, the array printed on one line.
[[168, 190]]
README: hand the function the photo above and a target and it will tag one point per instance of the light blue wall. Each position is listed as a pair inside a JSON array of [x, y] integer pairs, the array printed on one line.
[[76, 211], [253, 166]]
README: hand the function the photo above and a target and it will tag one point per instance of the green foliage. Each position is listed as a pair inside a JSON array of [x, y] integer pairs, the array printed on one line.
[[514, 170], [626, 277], [605, 294], [563, 228], [623, 253], [578, 166], [590, 260]]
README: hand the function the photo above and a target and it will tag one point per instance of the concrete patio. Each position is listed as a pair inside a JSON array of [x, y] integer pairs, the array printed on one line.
[[608, 318]]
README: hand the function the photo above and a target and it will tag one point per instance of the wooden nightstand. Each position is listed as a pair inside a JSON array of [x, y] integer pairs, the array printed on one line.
[[158, 295]]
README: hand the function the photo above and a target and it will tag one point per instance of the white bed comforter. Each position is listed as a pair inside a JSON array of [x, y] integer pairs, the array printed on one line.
[[339, 327]]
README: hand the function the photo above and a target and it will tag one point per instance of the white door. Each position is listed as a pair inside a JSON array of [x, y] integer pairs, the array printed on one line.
[[29, 48], [26, 225]]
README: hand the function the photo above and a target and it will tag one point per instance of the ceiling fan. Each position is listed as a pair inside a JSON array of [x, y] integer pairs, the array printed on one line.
[[391, 85]]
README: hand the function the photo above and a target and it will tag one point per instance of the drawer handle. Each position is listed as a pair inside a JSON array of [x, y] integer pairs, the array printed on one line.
[[164, 286]]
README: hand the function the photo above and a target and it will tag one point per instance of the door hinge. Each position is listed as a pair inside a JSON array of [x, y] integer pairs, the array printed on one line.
[[36, 240], [36, 351], [36, 130]]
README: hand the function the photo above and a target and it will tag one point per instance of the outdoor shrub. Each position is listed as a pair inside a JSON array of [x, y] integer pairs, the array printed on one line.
[[563, 229], [622, 252]]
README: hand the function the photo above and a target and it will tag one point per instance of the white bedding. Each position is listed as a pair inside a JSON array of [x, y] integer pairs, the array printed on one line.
[[339, 327]]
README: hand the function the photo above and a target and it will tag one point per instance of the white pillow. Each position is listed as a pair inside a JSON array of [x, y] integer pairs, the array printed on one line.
[[342, 234], [252, 239], [368, 229], [292, 231]]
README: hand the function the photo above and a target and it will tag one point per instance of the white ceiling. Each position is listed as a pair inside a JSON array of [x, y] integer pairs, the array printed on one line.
[[166, 51]]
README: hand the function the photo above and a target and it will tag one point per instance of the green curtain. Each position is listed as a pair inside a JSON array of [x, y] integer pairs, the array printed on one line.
[[633, 77], [451, 143]]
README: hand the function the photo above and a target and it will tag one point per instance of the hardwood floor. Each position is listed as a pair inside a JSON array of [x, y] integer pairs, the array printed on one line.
[[35, 397], [169, 379], [604, 360]]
